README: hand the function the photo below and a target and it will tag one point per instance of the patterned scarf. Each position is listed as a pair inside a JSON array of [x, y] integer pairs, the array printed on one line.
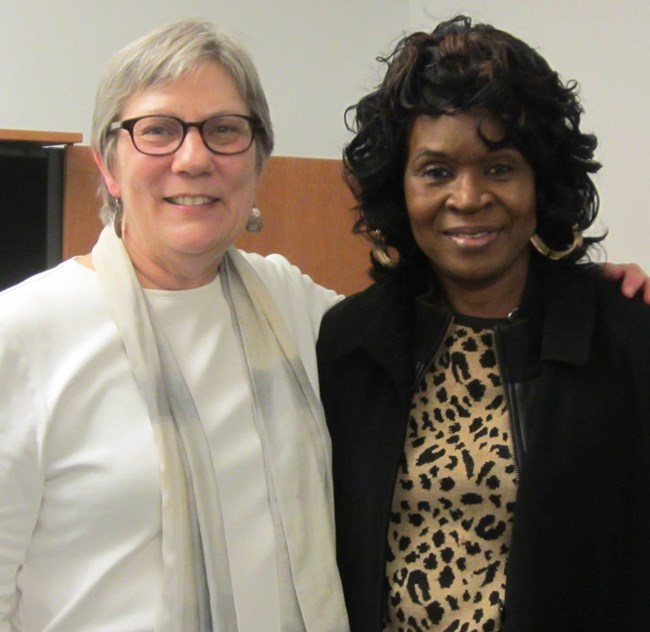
[[197, 588]]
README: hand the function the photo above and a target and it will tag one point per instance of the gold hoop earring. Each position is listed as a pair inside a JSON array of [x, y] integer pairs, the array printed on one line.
[[380, 252], [255, 221], [556, 255]]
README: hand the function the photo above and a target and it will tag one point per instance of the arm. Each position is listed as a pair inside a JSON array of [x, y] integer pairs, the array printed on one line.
[[20, 475], [632, 277]]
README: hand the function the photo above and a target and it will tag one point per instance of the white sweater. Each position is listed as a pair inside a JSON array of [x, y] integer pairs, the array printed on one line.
[[80, 529]]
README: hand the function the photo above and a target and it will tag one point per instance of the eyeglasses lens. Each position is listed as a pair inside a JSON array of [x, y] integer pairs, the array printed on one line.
[[159, 135]]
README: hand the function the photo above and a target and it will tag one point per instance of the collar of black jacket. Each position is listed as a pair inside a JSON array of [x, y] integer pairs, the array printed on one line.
[[565, 297], [400, 316]]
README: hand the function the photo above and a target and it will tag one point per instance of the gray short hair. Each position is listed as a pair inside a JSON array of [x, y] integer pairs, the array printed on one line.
[[164, 55]]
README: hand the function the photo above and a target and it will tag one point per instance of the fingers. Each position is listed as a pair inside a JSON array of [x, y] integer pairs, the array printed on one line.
[[632, 277]]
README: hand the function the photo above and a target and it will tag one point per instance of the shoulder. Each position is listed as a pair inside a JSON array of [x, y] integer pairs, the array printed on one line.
[[608, 299], [51, 314], [286, 280], [627, 318], [301, 302], [353, 310], [44, 296], [272, 266], [379, 298], [618, 320], [375, 314]]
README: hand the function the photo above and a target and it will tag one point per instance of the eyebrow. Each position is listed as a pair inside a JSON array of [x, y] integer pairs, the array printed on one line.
[[431, 153], [180, 118], [441, 154]]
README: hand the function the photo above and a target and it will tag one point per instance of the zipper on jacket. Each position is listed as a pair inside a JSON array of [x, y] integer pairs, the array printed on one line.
[[515, 430], [422, 367], [513, 415]]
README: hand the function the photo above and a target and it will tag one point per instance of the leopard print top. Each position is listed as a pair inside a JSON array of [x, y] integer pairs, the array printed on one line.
[[454, 497]]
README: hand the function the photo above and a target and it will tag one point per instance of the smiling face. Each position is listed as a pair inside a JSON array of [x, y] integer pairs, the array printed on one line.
[[182, 211], [471, 209]]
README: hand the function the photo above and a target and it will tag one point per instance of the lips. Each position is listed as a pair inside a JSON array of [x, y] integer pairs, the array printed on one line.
[[472, 238], [191, 200]]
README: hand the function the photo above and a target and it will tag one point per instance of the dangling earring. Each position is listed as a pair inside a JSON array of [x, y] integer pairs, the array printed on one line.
[[118, 214], [556, 255], [380, 252], [255, 221]]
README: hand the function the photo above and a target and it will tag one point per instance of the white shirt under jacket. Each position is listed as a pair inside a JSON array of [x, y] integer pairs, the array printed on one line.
[[80, 514]]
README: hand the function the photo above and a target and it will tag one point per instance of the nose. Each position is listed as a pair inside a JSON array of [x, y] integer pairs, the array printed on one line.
[[193, 156], [468, 193]]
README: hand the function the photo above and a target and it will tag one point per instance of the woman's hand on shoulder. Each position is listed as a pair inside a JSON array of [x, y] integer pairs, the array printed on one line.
[[632, 277]]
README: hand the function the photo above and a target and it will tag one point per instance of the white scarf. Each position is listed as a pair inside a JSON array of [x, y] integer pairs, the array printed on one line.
[[197, 589]]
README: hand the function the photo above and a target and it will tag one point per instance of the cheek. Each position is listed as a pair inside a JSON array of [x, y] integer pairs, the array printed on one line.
[[423, 226], [521, 204], [244, 180], [422, 213], [140, 180], [530, 218], [529, 194], [130, 174]]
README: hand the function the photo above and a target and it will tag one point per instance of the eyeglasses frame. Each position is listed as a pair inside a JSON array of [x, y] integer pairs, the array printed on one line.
[[129, 125]]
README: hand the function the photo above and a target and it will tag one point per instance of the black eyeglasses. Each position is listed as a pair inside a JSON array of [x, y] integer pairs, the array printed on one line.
[[162, 135]]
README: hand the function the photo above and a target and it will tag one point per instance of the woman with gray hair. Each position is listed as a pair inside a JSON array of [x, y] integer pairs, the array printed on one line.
[[164, 462]]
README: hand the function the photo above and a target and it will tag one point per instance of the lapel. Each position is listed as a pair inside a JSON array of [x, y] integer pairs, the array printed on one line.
[[569, 314]]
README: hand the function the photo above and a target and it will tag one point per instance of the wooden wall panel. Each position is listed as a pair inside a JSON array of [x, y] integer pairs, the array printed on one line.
[[81, 203], [305, 204], [308, 218]]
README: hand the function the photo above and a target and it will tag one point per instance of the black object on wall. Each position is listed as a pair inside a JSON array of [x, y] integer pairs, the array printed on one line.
[[31, 210]]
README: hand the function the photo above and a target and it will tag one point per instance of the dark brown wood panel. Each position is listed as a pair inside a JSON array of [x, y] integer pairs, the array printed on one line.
[[304, 202]]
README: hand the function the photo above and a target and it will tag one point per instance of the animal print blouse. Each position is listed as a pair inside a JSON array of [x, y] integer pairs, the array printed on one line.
[[453, 504]]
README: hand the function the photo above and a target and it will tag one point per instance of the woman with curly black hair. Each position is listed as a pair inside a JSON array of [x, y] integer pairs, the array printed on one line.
[[488, 396]]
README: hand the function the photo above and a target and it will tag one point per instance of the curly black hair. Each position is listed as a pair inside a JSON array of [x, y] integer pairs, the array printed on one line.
[[475, 68]]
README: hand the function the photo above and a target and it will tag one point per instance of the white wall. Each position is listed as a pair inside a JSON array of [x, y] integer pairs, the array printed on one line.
[[316, 57], [313, 57]]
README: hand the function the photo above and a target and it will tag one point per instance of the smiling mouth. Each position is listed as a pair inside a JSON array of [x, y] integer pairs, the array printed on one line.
[[473, 239], [190, 200]]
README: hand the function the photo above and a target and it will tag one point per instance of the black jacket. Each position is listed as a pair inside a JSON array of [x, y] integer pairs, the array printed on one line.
[[576, 365]]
